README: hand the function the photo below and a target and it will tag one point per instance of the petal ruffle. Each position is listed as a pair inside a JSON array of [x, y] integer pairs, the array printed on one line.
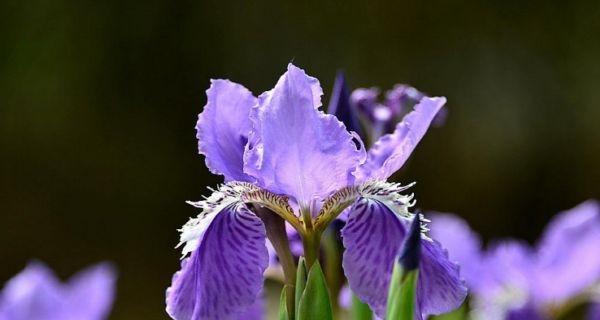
[[223, 127], [91, 292], [568, 262], [296, 149], [372, 238], [224, 275], [390, 152]]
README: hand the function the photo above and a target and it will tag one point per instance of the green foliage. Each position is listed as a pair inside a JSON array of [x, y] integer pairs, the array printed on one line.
[[360, 310], [300, 283], [283, 310], [315, 302], [402, 293], [458, 314]]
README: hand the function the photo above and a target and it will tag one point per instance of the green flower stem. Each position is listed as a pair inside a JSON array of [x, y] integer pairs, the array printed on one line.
[[275, 228], [402, 294], [311, 242], [333, 268], [360, 310]]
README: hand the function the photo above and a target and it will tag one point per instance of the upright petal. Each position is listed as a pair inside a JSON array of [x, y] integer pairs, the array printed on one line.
[[365, 100], [91, 292], [390, 152], [224, 275], [35, 293], [568, 258], [463, 245], [340, 105], [372, 238], [223, 127], [294, 148], [402, 96]]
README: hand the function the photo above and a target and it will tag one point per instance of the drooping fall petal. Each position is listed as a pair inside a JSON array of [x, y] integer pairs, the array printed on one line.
[[224, 275]]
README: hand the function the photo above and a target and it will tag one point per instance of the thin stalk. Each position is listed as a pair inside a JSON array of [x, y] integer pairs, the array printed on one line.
[[333, 268], [311, 243], [275, 228]]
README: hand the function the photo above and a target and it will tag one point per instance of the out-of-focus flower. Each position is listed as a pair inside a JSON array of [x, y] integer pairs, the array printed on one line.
[[341, 107], [37, 294], [594, 312], [513, 280], [280, 152], [363, 113]]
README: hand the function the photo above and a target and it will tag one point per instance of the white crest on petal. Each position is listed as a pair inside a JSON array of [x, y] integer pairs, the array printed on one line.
[[390, 194], [223, 196]]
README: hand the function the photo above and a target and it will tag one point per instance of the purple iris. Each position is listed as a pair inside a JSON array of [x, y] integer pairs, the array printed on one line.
[[37, 294], [281, 155], [362, 112], [512, 280], [594, 312]]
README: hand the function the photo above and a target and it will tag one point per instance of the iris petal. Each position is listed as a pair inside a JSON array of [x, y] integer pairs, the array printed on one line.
[[224, 275], [223, 127], [593, 312], [440, 288], [91, 292], [390, 152], [372, 238], [296, 149], [567, 254], [35, 293], [340, 106], [525, 313]]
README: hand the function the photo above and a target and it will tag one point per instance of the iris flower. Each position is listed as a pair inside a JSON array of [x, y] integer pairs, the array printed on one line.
[[594, 312], [362, 112], [512, 280], [37, 294], [282, 157]]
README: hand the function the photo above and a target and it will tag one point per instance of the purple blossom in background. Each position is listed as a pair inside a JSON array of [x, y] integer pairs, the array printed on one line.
[[341, 106], [513, 280], [594, 312], [378, 118], [281, 153], [37, 294]]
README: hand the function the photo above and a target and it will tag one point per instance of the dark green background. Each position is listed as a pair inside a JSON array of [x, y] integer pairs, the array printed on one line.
[[98, 102]]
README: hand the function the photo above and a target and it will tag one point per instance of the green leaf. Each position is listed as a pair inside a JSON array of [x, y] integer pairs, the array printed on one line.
[[401, 296], [300, 283], [315, 303], [458, 314], [283, 310], [360, 310]]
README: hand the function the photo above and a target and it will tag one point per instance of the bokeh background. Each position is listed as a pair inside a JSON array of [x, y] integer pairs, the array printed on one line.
[[98, 102]]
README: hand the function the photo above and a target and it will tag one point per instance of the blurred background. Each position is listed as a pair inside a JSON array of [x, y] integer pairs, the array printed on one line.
[[98, 102]]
